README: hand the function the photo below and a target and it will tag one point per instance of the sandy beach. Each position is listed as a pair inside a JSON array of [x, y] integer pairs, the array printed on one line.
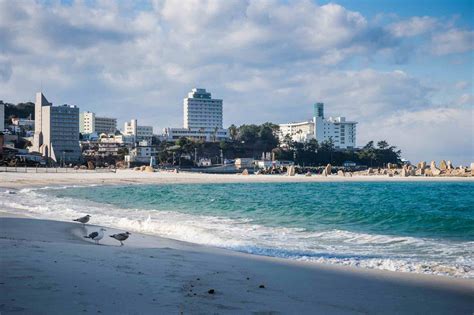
[[19, 180], [48, 267]]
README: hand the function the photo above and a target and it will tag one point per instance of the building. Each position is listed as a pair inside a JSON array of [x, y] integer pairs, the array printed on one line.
[[207, 135], [24, 123], [241, 163], [144, 152], [202, 111], [2, 117], [90, 123], [202, 118], [138, 132], [342, 132], [56, 131], [298, 131]]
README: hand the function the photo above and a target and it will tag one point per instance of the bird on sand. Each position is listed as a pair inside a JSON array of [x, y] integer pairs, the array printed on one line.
[[121, 237], [83, 219], [96, 236]]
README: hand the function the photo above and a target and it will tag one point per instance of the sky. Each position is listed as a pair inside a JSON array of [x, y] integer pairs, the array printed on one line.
[[402, 69]]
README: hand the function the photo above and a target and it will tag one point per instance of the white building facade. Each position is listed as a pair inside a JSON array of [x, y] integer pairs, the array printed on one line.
[[138, 132], [90, 123], [340, 131], [298, 131], [202, 118], [56, 131]]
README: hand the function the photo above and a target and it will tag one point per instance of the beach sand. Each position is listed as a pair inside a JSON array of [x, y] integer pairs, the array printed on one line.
[[20, 180], [47, 267]]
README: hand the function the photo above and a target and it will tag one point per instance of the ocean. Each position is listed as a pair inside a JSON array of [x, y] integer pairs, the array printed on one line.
[[421, 227]]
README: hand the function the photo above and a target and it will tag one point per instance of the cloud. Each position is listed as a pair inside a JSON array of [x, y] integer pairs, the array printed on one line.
[[268, 60], [414, 26], [452, 41], [429, 134]]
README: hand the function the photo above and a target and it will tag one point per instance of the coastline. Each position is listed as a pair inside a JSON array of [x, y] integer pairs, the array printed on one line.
[[48, 267], [11, 180]]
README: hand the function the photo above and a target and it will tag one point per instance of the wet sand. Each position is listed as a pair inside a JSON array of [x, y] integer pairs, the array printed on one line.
[[47, 267]]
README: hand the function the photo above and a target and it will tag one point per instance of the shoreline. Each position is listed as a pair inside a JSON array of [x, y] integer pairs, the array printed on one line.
[[161, 275], [11, 180], [44, 260]]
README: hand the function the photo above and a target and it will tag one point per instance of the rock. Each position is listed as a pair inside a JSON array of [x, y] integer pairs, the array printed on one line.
[[434, 170], [390, 166], [340, 173], [428, 172], [348, 174], [308, 174], [211, 291], [149, 169], [420, 172], [328, 169], [370, 171], [404, 172], [142, 168], [324, 173], [245, 172], [449, 165], [443, 166], [461, 171], [421, 165], [136, 168], [291, 170], [90, 165], [472, 168], [390, 175]]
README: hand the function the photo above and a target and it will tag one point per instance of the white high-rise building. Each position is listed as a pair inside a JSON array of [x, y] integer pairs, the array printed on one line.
[[138, 132], [202, 118], [342, 132], [2, 117], [56, 131], [90, 123], [202, 111]]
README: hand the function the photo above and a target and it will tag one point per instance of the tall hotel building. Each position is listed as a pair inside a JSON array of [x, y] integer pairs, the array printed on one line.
[[56, 131], [202, 118], [342, 132], [90, 123]]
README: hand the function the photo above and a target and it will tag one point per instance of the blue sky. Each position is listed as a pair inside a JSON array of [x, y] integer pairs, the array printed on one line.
[[402, 69]]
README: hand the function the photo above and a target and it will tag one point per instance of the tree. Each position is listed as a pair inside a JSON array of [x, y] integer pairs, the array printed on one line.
[[382, 145], [233, 132]]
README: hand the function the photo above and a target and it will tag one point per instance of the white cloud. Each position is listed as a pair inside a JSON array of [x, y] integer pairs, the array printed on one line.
[[452, 41], [414, 26], [429, 134], [268, 60]]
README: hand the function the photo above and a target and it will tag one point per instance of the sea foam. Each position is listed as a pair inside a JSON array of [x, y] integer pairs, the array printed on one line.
[[333, 246]]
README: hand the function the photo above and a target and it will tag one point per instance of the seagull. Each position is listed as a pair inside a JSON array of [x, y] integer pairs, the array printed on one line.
[[121, 237], [96, 236], [83, 220]]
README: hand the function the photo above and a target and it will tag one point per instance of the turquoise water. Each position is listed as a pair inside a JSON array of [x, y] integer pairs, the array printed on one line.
[[437, 210], [423, 227]]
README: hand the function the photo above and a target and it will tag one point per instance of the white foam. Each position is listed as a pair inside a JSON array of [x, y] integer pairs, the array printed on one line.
[[396, 253]]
